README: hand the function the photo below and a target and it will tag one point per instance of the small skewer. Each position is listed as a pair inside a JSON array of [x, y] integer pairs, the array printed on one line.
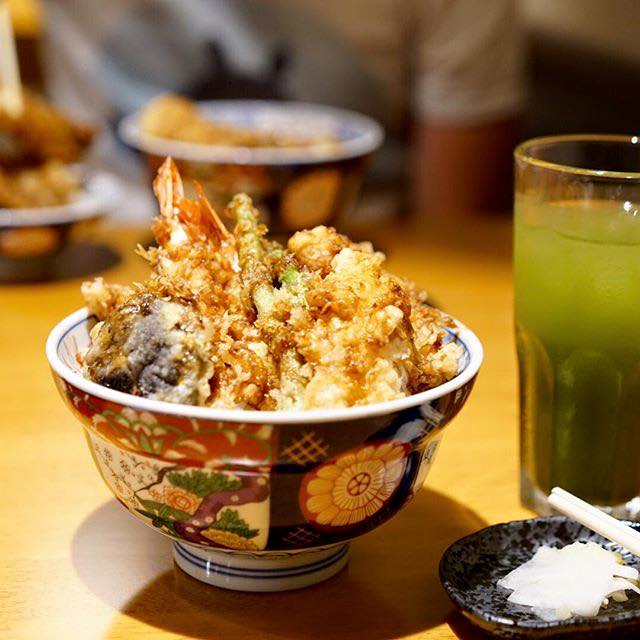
[[594, 519], [10, 86]]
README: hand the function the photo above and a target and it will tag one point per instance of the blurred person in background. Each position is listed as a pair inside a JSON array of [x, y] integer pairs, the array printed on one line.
[[442, 76]]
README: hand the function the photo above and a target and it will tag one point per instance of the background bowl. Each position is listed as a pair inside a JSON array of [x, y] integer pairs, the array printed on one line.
[[258, 500], [31, 238], [294, 187]]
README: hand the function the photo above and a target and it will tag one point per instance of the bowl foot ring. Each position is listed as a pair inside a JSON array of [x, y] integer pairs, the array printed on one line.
[[253, 572]]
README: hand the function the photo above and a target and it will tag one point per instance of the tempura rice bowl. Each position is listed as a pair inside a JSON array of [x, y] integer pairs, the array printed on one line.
[[287, 490], [32, 238]]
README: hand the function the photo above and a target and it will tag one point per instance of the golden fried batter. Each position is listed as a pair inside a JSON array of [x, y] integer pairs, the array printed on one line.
[[177, 118], [41, 133], [237, 321], [49, 184], [34, 148]]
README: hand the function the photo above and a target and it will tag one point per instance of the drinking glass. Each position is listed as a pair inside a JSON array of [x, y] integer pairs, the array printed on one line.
[[577, 315]]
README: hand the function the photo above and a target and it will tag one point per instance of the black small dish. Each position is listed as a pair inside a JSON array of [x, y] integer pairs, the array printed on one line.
[[471, 567]]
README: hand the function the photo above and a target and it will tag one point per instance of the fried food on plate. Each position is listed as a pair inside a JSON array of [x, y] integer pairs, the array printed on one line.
[[176, 118], [238, 321], [48, 184], [34, 148], [41, 133]]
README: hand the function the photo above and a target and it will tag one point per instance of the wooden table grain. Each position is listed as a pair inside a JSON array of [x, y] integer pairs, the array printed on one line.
[[76, 565]]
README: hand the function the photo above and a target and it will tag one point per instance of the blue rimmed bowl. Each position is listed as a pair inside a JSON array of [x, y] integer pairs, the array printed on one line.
[[258, 500], [32, 238], [294, 187]]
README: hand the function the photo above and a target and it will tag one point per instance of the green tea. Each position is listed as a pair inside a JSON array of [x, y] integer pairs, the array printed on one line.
[[577, 308]]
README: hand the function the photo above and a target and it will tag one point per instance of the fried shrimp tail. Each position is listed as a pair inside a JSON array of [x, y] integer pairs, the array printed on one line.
[[196, 258], [182, 220]]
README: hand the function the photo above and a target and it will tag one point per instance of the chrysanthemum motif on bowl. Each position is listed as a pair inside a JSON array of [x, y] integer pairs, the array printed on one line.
[[354, 486]]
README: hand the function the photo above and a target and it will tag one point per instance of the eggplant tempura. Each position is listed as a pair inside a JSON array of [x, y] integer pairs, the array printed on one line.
[[235, 320]]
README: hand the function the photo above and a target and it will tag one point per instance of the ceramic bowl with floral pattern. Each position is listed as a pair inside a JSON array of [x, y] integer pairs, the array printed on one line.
[[258, 500], [295, 187]]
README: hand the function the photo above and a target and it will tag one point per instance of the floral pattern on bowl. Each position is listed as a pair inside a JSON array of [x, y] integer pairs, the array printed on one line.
[[254, 485], [354, 486], [189, 441], [213, 508]]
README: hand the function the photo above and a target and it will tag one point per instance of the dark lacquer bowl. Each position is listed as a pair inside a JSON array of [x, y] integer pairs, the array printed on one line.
[[471, 567], [258, 500], [295, 187]]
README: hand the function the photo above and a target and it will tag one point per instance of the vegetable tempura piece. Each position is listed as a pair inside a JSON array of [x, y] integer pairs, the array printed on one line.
[[153, 348], [317, 324], [102, 299]]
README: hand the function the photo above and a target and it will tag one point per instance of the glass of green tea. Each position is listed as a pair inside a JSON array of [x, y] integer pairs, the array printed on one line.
[[577, 315]]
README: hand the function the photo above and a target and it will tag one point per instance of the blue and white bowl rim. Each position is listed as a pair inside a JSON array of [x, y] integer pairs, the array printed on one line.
[[358, 134], [470, 364]]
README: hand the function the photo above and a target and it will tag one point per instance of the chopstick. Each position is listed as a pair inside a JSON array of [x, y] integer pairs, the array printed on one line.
[[594, 519], [10, 86]]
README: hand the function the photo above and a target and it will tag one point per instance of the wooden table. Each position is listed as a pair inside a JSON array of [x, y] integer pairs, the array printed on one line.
[[76, 565]]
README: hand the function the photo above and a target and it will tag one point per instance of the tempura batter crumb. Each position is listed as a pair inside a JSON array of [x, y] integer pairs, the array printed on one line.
[[237, 321]]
